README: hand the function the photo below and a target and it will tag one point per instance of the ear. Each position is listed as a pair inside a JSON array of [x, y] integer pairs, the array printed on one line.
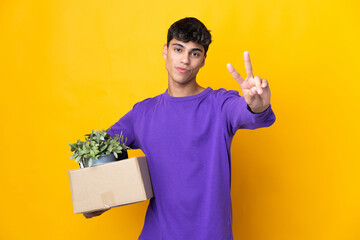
[[164, 53]]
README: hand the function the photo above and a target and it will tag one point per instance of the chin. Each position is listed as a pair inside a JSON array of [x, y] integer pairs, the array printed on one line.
[[182, 81]]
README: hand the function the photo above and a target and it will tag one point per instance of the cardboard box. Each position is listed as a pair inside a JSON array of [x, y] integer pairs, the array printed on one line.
[[110, 185]]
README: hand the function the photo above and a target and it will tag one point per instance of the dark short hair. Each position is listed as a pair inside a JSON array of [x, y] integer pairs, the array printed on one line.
[[190, 29]]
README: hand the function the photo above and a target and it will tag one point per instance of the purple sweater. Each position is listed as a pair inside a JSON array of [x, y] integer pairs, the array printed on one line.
[[187, 143]]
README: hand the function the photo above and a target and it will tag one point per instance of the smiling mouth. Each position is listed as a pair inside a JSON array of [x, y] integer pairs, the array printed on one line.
[[182, 69]]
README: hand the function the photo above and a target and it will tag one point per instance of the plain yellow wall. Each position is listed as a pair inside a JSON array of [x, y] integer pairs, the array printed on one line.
[[67, 67]]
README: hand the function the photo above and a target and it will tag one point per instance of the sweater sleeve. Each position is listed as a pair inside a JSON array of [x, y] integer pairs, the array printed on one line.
[[239, 115], [126, 125]]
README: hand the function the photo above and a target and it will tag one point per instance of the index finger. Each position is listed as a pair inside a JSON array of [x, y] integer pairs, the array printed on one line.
[[234, 73], [248, 66]]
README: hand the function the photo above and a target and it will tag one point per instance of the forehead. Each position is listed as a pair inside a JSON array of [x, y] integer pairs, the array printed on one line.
[[187, 45]]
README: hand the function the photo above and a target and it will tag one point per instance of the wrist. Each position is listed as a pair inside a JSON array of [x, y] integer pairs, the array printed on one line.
[[257, 111]]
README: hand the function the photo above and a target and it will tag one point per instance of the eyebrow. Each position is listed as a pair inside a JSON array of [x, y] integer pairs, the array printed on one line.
[[193, 49]]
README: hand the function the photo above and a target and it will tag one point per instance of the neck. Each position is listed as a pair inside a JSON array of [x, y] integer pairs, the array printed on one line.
[[178, 90]]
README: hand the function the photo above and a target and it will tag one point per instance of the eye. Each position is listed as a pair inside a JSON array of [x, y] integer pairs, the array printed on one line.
[[196, 54], [177, 49]]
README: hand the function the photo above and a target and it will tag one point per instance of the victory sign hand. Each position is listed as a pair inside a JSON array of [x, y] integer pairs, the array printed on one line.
[[256, 91]]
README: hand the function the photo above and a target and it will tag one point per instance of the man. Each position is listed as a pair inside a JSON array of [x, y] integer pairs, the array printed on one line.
[[186, 135]]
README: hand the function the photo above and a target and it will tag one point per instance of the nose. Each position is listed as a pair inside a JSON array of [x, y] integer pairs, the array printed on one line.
[[185, 58]]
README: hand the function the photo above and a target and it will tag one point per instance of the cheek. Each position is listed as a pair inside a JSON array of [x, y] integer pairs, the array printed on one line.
[[168, 65], [197, 68]]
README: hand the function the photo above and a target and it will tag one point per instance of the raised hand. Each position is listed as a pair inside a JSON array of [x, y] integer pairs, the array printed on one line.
[[255, 90]]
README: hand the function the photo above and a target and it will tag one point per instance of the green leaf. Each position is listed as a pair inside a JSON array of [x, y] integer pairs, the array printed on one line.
[[92, 153], [96, 144], [73, 147], [78, 159]]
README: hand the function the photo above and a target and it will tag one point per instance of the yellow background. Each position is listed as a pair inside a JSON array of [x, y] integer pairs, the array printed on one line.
[[67, 67]]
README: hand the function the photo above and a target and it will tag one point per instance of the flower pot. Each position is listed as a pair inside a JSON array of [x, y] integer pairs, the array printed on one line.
[[104, 159]]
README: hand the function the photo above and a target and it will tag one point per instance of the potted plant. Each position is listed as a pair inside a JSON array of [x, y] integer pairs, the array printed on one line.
[[99, 148]]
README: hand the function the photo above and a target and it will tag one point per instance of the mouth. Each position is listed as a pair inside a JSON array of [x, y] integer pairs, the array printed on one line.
[[182, 69]]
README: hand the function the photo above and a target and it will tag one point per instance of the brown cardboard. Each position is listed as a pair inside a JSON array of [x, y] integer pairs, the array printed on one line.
[[110, 185]]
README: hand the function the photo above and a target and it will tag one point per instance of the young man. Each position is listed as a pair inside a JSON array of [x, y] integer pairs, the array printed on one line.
[[186, 135]]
